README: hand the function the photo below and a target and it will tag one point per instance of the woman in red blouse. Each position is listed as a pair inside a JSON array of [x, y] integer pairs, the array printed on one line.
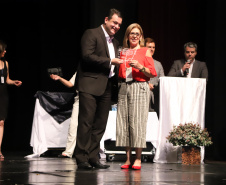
[[133, 101]]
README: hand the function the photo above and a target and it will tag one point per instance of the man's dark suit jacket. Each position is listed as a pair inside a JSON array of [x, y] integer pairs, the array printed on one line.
[[94, 68], [199, 69]]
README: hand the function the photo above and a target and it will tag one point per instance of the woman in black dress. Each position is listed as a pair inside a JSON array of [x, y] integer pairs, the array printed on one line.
[[4, 81]]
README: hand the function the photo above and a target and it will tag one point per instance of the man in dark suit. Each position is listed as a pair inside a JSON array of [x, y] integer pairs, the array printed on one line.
[[97, 75], [189, 67]]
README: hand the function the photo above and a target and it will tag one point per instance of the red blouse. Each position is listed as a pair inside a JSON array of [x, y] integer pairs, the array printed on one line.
[[140, 56]]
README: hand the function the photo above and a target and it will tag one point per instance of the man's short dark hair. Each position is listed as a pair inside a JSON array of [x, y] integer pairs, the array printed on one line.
[[190, 45], [148, 40], [112, 12]]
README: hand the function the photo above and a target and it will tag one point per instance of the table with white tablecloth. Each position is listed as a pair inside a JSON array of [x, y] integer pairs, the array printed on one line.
[[182, 100], [48, 133], [50, 121]]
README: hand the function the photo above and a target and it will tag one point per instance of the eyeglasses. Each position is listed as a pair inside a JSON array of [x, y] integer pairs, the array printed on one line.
[[134, 34]]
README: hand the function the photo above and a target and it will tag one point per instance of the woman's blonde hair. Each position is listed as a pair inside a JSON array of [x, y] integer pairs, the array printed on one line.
[[128, 30]]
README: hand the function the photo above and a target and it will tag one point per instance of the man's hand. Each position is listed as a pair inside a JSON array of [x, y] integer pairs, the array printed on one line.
[[151, 86], [116, 61], [186, 66]]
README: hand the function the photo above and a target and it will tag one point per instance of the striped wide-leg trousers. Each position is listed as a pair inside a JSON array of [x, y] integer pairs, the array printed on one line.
[[132, 114]]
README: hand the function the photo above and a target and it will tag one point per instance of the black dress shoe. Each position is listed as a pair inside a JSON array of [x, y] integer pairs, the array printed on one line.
[[98, 165], [85, 166]]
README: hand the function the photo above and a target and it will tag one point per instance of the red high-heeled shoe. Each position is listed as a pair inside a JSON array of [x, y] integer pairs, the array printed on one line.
[[136, 167], [125, 166]]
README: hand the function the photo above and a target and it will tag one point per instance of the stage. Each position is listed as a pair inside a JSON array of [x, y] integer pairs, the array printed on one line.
[[15, 169]]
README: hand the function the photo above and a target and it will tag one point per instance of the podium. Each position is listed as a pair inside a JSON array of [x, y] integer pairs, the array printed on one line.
[[182, 100]]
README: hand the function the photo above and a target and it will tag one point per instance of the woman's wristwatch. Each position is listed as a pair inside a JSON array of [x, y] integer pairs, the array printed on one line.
[[143, 69]]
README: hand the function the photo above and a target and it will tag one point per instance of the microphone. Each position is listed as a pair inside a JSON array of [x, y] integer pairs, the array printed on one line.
[[187, 70]]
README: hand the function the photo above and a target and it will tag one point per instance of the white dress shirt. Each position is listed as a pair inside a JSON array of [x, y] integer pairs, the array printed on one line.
[[111, 50]]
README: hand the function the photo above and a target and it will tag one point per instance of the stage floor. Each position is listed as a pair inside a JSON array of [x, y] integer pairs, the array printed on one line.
[[15, 169]]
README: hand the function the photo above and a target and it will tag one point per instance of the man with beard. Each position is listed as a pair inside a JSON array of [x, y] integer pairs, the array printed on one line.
[[97, 75]]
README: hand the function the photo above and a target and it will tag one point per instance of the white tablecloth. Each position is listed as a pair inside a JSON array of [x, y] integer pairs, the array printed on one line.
[[182, 100], [46, 132], [152, 128]]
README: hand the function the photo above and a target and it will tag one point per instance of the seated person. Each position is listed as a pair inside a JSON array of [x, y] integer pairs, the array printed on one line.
[[189, 67]]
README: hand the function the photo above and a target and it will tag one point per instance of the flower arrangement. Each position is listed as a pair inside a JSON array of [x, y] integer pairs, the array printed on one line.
[[189, 134]]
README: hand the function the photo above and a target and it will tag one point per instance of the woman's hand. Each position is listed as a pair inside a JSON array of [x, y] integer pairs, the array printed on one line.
[[135, 64], [17, 83], [55, 77]]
